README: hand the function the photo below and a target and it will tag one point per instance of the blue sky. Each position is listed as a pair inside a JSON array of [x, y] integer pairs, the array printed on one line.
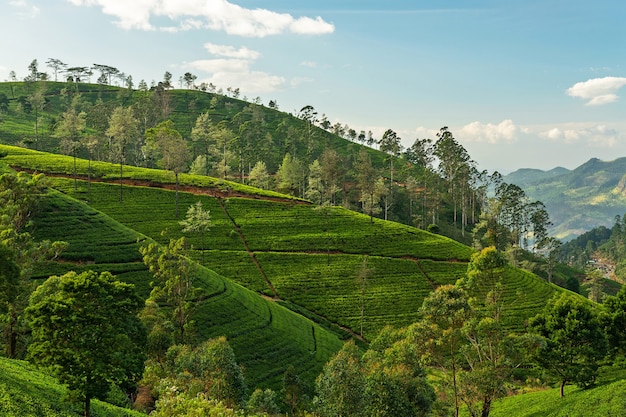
[[528, 83]]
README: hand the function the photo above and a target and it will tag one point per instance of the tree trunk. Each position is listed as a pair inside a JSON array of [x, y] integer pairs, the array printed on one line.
[[176, 175], [563, 382], [121, 172], [74, 170], [87, 406], [486, 408]]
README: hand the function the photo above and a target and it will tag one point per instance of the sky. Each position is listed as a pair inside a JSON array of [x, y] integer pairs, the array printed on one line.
[[520, 84]]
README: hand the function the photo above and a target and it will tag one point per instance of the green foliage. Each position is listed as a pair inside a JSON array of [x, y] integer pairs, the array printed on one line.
[[573, 340], [210, 369], [85, 329]]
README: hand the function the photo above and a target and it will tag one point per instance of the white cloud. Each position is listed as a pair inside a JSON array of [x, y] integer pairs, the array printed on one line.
[[231, 52], [309, 64], [598, 91], [488, 132], [232, 69], [595, 135], [24, 9], [219, 15]]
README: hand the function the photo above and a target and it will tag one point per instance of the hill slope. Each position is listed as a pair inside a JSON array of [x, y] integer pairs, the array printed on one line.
[[27, 392], [579, 200]]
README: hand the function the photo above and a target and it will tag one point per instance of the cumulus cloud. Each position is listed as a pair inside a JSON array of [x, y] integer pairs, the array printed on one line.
[[598, 91], [504, 131], [219, 15], [597, 135], [232, 68]]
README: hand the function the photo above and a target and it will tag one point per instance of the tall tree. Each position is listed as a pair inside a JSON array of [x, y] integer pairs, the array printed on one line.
[[454, 169], [439, 334], [366, 176], [203, 135], [85, 328], [70, 129], [174, 282], [170, 148], [123, 131], [198, 220]]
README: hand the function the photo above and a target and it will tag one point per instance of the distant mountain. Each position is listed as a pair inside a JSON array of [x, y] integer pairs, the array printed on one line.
[[577, 200], [525, 176]]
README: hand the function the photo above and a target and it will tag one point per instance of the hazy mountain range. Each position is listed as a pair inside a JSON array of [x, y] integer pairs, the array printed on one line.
[[578, 200]]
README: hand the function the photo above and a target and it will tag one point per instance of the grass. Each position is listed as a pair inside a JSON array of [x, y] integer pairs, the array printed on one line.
[[602, 401], [27, 392], [265, 336]]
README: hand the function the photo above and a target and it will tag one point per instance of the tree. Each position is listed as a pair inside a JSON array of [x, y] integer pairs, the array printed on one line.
[[171, 149], [259, 177], [573, 341], [174, 282], [202, 134], [189, 79], [19, 195], [56, 65], [340, 386], [366, 176], [210, 368], [70, 129], [289, 175], [167, 80], [106, 72], [122, 130], [85, 328], [390, 144], [439, 334], [395, 382], [454, 162], [198, 220], [292, 389], [37, 101]]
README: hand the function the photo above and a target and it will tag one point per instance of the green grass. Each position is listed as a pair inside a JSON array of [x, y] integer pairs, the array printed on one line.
[[602, 401], [293, 244], [265, 336], [27, 392]]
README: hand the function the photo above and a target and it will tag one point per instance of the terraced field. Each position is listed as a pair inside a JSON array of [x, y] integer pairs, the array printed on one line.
[[307, 259], [265, 336]]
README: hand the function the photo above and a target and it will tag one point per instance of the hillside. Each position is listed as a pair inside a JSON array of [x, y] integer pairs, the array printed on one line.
[[27, 392], [307, 258], [581, 199]]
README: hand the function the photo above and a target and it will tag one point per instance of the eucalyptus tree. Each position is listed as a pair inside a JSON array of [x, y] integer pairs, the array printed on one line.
[[390, 144], [366, 177], [122, 132], [198, 220], [202, 134], [169, 147], [70, 129], [454, 168], [333, 170], [38, 102]]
